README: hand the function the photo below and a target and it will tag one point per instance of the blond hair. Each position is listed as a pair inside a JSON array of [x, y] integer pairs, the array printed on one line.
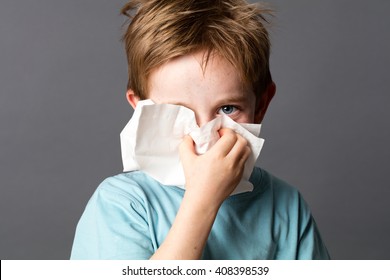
[[161, 30]]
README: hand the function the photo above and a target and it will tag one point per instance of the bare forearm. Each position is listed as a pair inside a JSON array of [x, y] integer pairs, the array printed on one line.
[[210, 179], [189, 232]]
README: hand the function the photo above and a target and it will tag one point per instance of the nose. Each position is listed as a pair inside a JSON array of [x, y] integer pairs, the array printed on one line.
[[202, 118]]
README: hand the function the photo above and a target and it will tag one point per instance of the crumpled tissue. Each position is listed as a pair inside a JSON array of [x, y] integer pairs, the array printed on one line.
[[150, 141]]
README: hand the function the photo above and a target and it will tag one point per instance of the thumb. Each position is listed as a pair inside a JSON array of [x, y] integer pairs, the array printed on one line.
[[187, 150]]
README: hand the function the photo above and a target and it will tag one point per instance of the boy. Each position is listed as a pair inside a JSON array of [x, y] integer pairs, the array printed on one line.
[[213, 58]]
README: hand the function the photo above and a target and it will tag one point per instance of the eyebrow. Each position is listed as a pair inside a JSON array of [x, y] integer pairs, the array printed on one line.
[[233, 99], [180, 104]]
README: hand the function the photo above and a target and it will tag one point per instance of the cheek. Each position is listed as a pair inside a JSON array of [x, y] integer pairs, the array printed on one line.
[[249, 114], [246, 117]]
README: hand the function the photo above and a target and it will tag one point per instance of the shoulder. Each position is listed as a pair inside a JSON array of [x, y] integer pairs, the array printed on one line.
[[114, 222], [284, 198], [264, 181], [124, 181], [292, 218], [131, 184], [122, 217], [119, 188], [136, 189]]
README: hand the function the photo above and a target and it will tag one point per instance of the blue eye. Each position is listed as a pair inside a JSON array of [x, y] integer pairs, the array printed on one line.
[[227, 109]]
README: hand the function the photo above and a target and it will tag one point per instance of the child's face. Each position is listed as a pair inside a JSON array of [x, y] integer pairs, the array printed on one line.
[[216, 91]]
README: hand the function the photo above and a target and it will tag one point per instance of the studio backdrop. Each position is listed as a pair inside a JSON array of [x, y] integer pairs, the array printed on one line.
[[62, 106]]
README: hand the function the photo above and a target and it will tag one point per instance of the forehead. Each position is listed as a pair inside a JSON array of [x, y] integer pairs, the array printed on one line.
[[204, 90], [192, 73]]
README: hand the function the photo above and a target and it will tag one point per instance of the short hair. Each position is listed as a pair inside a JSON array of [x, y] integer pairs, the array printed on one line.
[[160, 30]]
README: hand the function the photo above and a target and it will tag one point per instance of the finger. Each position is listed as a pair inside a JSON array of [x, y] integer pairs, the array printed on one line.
[[187, 149], [224, 131], [245, 156], [240, 150], [226, 142], [240, 160]]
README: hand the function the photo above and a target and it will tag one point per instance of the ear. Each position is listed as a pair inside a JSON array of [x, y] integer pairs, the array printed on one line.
[[132, 98], [263, 102]]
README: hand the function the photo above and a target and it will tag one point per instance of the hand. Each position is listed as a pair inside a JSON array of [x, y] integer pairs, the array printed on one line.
[[212, 177]]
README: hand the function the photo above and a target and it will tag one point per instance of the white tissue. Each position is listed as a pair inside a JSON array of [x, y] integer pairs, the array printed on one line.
[[150, 141]]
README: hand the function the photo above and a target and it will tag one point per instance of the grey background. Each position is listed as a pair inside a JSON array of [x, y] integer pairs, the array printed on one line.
[[62, 107]]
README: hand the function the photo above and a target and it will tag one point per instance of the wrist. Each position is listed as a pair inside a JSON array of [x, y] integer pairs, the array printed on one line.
[[204, 205]]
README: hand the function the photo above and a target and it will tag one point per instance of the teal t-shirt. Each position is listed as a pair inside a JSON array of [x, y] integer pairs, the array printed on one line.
[[129, 216]]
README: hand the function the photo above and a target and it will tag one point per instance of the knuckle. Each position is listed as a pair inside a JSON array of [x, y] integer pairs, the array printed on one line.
[[243, 141], [182, 147], [247, 152], [232, 135]]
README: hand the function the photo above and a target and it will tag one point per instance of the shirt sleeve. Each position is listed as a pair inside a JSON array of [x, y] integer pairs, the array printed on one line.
[[310, 244], [114, 225]]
